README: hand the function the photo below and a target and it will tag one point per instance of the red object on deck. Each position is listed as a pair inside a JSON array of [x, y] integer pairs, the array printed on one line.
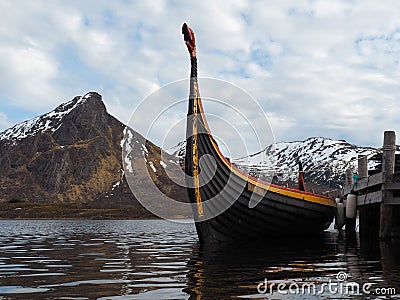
[[301, 184]]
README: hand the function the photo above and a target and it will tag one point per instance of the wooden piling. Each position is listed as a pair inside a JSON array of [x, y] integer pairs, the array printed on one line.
[[362, 166], [377, 195], [349, 177], [388, 163], [367, 219]]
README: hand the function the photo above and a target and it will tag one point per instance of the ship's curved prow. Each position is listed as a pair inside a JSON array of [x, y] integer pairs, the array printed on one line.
[[278, 210]]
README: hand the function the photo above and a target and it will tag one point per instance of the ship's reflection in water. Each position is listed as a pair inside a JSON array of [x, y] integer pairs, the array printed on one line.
[[296, 268], [162, 260]]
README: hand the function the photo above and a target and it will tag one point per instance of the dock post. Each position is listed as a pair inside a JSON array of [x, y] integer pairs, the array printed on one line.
[[349, 177], [363, 210], [388, 162], [362, 166], [350, 228]]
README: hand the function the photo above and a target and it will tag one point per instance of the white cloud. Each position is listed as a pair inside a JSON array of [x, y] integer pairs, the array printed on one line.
[[326, 68], [28, 74], [4, 121]]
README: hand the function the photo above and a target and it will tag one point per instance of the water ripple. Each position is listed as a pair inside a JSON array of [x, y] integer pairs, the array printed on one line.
[[162, 260]]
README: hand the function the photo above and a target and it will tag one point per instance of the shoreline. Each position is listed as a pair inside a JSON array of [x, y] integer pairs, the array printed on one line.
[[74, 211]]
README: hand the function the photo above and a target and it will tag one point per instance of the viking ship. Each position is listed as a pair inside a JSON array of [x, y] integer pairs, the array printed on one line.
[[229, 205]]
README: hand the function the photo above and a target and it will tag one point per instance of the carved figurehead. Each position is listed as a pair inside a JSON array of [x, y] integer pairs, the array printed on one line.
[[188, 37]]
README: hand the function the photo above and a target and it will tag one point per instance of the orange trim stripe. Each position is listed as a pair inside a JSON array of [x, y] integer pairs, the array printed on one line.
[[195, 152]]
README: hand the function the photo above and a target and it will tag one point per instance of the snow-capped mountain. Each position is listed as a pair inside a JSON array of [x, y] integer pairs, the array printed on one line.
[[73, 154], [324, 160], [47, 122]]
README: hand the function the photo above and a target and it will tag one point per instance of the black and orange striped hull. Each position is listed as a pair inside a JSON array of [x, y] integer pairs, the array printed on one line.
[[222, 195], [229, 205]]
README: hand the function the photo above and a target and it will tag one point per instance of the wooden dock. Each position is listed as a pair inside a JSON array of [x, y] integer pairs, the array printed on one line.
[[378, 195]]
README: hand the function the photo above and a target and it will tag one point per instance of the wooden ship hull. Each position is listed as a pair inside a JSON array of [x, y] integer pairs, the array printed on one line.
[[229, 205]]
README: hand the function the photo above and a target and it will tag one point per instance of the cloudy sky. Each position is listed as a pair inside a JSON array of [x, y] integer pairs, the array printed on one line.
[[317, 68]]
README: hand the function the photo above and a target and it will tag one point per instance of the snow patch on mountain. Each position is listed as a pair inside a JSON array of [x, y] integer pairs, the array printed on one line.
[[47, 122], [324, 160], [127, 146], [153, 167], [178, 150]]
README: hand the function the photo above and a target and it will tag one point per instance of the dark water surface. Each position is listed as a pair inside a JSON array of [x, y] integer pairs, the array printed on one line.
[[161, 260]]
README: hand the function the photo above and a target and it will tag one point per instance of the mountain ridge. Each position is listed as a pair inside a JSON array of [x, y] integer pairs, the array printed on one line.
[[325, 160], [31, 126], [72, 154]]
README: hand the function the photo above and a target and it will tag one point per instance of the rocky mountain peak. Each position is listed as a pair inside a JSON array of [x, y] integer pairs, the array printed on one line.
[[74, 154], [91, 107], [56, 155], [85, 120]]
